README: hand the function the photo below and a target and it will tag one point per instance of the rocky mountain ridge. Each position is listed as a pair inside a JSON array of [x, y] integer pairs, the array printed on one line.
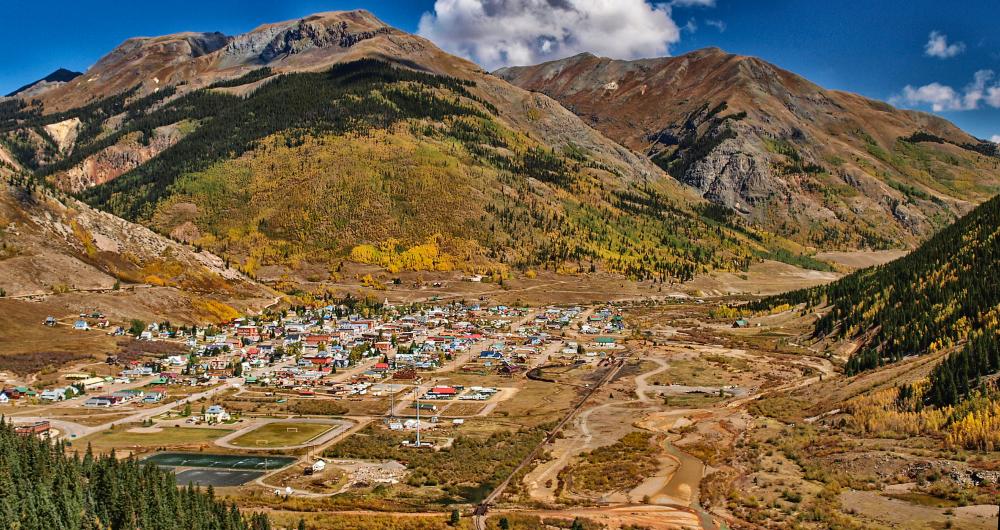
[[183, 132], [825, 167], [189, 61]]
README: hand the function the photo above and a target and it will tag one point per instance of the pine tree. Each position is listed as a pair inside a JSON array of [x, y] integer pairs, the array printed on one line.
[[43, 487]]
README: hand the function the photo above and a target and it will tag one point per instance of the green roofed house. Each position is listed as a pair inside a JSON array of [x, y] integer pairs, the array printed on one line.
[[606, 341], [741, 323]]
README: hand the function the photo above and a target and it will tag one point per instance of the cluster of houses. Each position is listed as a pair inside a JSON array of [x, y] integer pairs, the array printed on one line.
[[85, 322], [404, 344], [84, 385], [133, 395], [13, 393], [81, 384], [603, 320], [299, 352]]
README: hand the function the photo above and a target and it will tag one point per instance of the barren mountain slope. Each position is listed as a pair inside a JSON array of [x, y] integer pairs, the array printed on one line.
[[825, 167], [51, 246]]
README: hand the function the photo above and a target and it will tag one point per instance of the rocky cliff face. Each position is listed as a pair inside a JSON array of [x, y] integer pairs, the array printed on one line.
[[198, 59], [271, 43], [111, 162], [827, 168]]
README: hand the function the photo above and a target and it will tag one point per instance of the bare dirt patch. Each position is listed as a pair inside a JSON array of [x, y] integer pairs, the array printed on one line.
[[860, 259]]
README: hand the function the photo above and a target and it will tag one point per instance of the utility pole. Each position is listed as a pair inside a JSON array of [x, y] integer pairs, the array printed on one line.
[[416, 397]]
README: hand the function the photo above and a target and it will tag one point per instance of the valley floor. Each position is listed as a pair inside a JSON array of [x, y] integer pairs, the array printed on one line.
[[684, 421]]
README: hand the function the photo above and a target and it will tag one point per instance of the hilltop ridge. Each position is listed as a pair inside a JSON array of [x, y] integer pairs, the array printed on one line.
[[188, 134], [824, 167]]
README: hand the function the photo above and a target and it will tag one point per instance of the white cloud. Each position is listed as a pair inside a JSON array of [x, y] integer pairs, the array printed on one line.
[[937, 46], [993, 96], [995, 139], [497, 33], [717, 24], [977, 90], [939, 97]]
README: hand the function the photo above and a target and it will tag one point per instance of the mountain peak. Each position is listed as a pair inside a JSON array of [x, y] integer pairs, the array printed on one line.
[[198, 59], [707, 51], [61, 74], [58, 77], [357, 15], [330, 30], [761, 140], [359, 19]]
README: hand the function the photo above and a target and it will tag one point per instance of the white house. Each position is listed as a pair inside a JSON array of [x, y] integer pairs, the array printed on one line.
[[92, 383], [216, 414], [53, 394], [99, 401], [176, 360]]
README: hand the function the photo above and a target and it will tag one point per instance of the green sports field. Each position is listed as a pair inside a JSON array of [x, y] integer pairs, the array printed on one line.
[[282, 434]]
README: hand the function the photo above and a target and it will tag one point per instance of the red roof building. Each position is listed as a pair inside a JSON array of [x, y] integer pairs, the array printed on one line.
[[38, 427], [247, 331], [315, 340]]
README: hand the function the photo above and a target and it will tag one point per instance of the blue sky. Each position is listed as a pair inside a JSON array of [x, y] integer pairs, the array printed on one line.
[[876, 48]]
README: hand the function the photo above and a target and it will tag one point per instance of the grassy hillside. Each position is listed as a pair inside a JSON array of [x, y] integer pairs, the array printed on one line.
[[389, 166], [941, 299]]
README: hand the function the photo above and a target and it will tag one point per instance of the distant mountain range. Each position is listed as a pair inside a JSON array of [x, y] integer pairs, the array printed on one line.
[[338, 137], [823, 167]]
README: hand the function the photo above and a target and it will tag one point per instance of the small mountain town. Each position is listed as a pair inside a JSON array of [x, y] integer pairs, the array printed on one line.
[[500, 265]]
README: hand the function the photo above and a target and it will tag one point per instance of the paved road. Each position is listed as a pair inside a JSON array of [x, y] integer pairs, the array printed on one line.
[[67, 429], [145, 414]]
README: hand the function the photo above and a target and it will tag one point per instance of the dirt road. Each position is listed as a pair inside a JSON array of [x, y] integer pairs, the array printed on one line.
[[479, 519]]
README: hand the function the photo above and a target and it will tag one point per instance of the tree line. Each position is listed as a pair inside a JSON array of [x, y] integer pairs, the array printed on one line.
[[941, 296], [43, 487]]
